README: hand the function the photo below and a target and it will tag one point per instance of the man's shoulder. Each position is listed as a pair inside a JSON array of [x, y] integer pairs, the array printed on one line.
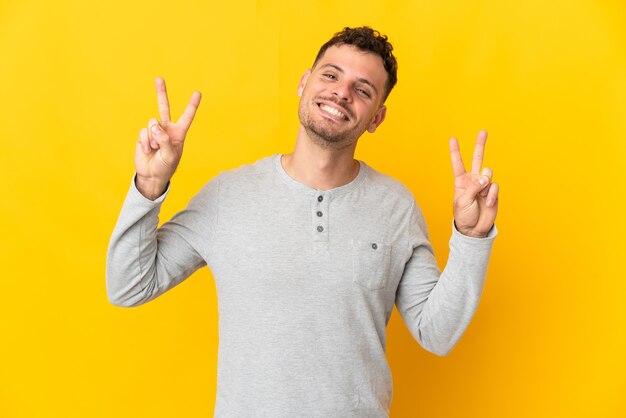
[[254, 174], [237, 179], [253, 169], [385, 184]]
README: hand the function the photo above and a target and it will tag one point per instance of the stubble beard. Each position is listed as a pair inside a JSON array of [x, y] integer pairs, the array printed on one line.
[[322, 134]]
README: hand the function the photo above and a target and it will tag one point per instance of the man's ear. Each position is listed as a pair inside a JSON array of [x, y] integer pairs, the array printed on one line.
[[378, 119], [303, 81]]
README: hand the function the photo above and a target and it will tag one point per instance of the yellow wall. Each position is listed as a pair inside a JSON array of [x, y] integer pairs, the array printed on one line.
[[546, 78]]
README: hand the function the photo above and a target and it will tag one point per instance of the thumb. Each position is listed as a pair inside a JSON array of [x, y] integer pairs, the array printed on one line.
[[475, 186], [167, 152]]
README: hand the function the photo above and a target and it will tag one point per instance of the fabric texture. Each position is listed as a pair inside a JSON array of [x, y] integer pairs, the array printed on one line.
[[306, 283]]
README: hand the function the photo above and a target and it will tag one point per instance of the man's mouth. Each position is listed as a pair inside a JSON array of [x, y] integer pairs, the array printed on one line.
[[332, 111]]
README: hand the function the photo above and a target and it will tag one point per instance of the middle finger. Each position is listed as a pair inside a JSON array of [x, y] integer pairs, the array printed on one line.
[[479, 151]]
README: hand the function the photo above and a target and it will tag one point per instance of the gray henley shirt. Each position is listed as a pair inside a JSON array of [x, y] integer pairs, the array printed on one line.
[[306, 282]]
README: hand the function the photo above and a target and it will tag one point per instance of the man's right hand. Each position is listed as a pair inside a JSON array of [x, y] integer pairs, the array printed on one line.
[[160, 145]]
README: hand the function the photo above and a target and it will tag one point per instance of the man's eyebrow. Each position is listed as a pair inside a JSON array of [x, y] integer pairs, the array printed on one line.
[[362, 80]]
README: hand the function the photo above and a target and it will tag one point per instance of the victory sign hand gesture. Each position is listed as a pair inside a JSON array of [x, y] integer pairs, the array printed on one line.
[[160, 145], [475, 196]]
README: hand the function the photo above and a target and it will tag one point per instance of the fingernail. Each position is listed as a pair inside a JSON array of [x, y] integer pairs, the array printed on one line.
[[483, 181], [156, 129]]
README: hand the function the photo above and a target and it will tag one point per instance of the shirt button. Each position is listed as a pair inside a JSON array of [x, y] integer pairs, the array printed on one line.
[[320, 228], [319, 213], [320, 198], [374, 246]]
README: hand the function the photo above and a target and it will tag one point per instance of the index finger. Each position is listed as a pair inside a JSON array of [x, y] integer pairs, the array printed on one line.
[[164, 104], [479, 151]]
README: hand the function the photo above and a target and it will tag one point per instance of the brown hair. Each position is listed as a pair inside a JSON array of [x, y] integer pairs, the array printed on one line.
[[369, 40]]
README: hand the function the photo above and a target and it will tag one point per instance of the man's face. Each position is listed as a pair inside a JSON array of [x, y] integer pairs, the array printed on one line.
[[341, 97]]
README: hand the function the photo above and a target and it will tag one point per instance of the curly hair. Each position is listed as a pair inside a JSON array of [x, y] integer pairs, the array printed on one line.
[[369, 40]]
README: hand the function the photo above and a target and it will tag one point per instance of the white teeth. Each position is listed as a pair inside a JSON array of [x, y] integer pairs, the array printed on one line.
[[332, 111]]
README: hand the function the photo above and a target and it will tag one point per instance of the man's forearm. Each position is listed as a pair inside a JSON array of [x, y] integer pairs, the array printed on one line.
[[453, 301]]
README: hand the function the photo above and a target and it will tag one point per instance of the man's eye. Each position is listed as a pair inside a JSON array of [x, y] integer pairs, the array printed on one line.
[[363, 92], [330, 76]]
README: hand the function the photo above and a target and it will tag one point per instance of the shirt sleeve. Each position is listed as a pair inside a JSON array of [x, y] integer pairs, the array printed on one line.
[[438, 306], [144, 261]]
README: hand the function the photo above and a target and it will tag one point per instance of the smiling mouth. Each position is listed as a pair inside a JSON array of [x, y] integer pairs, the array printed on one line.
[[332, 111]]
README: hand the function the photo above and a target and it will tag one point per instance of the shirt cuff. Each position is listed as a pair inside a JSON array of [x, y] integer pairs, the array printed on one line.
[[493, 232], [136, 194]]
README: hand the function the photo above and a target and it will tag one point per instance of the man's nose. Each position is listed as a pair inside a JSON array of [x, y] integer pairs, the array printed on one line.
[[342, 91]]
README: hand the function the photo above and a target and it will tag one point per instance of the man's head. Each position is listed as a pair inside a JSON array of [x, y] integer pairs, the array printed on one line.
[[367, 40], [343, 94]]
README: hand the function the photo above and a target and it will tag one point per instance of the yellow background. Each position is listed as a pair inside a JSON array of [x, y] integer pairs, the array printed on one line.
[[547, 79]]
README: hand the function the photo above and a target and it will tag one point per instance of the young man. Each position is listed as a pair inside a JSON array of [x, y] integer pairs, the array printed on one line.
[[309, 250]]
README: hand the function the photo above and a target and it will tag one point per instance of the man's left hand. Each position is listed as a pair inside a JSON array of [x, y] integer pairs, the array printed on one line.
[[475, 196]]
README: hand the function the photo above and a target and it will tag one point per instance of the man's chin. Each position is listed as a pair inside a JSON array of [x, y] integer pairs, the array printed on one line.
[[328, 140], [325, 133], [327, 136]]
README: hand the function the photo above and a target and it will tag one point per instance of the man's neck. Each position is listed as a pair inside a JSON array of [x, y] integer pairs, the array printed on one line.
[[318, 167]]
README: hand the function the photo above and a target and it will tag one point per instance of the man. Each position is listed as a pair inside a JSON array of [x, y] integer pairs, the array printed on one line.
[[309, 250]]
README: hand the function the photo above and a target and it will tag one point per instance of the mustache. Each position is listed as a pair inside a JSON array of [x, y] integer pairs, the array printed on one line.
[[339, 105]]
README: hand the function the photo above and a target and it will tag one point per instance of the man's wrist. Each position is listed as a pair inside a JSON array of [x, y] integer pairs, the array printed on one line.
[[150, 189], [470, 233]]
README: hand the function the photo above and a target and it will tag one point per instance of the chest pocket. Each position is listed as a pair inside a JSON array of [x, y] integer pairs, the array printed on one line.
[[370, 264]]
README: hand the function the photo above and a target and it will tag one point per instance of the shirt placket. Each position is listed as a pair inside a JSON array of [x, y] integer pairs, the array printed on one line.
[[319, 217]]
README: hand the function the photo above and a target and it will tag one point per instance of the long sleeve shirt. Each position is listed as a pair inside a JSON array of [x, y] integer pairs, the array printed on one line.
[[306, 283]]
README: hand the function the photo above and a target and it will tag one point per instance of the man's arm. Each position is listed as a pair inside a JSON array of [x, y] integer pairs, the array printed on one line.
[[144, 261], [438, 306]]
